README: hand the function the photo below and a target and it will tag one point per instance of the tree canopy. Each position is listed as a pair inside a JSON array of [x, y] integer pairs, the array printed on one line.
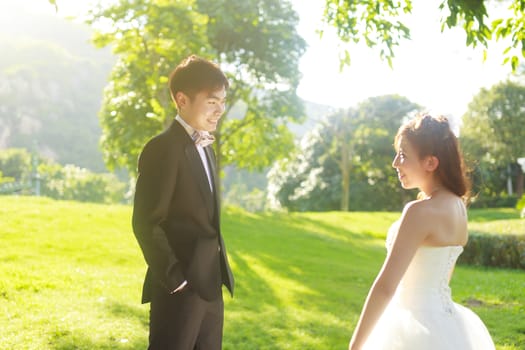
[[345, 161], [377, 23], [493, 136], [255, 43]]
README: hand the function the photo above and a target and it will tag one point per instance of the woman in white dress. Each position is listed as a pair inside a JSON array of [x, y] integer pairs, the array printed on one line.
[[409, 306]]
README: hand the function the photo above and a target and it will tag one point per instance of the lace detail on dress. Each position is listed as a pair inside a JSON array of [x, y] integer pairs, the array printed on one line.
[[444, 288], [428, 274]]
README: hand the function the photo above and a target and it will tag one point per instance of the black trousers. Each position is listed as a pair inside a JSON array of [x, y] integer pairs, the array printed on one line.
[[184, 321]]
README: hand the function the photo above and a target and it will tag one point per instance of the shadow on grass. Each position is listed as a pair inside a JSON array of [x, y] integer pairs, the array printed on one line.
[[125, 311], [67, 340], [294, 227], [322, 230], [344, 224], [254, 301], [301, 315], [112, 333], [297, 287]]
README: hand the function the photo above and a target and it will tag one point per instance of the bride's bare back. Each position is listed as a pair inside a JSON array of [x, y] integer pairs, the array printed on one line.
[[446, 220]]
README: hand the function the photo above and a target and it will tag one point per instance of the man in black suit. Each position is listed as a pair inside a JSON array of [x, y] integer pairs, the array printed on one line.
[[176, 216]]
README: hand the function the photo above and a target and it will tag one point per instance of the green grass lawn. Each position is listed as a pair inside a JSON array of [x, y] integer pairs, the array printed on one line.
[[501, 221], [72, 276]]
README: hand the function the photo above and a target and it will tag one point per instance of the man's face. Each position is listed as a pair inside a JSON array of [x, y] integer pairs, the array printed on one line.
[[204, 110]]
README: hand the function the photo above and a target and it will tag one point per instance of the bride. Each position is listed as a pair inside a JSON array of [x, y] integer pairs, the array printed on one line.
[[409, 306]]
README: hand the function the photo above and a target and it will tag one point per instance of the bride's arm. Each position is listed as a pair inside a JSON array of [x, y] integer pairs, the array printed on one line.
[[450, 273], [411, 234]]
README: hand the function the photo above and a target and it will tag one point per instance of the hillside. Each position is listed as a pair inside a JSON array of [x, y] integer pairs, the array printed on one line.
[[51, 86], [51, 83], [72, 275]]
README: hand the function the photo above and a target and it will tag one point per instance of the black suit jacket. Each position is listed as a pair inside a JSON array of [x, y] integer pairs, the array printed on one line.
[[176, 217]]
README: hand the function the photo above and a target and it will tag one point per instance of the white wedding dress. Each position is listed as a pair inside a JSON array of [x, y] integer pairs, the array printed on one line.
[[422, 315]]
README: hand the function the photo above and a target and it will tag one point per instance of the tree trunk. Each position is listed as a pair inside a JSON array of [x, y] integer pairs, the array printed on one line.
[[345, 176], [520, 178], [509, 180]]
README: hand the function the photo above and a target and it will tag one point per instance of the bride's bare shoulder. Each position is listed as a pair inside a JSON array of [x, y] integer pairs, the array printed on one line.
[[419, 213], [417, 207]]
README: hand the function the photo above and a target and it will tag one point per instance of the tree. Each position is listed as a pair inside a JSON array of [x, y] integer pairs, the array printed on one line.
[[16, 163], [347, 146], [376, 23], [493, 135], [254, 41], [345, 162], [306, 180]]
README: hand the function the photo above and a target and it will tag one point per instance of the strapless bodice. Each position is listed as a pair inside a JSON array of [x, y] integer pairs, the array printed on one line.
[[426, 280], [422, 314]]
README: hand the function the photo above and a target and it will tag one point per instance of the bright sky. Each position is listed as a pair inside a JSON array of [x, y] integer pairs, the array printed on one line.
[[434, 69]]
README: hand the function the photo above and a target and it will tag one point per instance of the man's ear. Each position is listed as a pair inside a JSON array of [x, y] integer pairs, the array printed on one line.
[[181, 99], [431, 163]]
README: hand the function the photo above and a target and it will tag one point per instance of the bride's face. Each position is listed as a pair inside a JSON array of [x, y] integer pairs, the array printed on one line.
[[410, 170]]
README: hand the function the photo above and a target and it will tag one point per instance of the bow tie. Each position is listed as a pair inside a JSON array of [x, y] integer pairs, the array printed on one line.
[[202, 138]]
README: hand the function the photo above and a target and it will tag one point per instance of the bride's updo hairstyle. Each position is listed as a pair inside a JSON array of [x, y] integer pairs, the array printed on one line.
[[432, 136]]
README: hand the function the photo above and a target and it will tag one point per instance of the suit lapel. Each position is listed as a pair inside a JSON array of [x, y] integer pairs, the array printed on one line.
[[210, 155], [199, 172], [195, 164]]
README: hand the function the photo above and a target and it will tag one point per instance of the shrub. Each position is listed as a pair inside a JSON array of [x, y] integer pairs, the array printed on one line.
[[498, 201], [15, 163], [73, 183], [506, 251]]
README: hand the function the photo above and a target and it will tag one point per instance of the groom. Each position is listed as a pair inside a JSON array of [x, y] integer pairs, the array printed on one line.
[[176, 216]]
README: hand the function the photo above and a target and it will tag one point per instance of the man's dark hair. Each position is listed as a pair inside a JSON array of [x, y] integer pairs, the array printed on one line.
[[195, 74]]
